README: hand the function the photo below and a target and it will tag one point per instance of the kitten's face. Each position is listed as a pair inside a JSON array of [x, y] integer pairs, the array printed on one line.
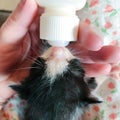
[[57, 60]]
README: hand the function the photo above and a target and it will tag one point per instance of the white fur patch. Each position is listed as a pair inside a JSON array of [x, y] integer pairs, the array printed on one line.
[[56, 67], [57, 61]]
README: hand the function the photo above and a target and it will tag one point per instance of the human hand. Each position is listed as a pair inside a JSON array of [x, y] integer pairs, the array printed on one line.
[[19, 35], [96, 59], [19, 39]]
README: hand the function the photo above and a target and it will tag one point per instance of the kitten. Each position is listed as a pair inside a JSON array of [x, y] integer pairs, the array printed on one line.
[[56, 88]]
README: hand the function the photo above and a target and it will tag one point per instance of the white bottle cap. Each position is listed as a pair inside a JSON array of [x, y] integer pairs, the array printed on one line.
[[59, 24], [58, 43], [59, 30]]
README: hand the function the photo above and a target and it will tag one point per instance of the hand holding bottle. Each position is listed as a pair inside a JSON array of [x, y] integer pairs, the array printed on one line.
[[19, 42], [19, 39]]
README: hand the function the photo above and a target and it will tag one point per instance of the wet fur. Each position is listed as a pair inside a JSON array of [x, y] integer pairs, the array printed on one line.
[[64, 99]]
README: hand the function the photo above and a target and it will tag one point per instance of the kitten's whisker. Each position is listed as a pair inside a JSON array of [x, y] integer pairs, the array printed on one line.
[[26, 68], [34, 60]]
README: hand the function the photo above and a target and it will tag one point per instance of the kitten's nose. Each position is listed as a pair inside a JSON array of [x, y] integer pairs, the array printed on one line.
[[58, 52]]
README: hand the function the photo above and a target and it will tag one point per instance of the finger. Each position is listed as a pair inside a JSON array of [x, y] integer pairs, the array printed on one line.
[[80, 52], [110, 54], [17, 24], [94, 70], [34, 34], [88, 38]]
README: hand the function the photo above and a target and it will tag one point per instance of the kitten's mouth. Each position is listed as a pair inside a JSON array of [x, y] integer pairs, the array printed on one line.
[[58, 53], [57, 60]]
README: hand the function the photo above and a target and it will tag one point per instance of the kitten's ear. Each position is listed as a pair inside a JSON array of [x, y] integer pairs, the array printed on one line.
[[92, 100], [17, 88], [22, 92]]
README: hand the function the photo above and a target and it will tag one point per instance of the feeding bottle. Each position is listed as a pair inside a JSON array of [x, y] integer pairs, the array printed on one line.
[[59, 22]]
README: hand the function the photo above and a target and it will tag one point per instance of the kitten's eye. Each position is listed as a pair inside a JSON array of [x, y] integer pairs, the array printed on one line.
[[75, 62], [45, 45], [76, 68]]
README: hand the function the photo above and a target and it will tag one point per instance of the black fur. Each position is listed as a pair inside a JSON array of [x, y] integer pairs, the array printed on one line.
[[59, 100]]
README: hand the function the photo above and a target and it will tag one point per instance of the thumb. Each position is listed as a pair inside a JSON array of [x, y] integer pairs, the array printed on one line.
[[16, 26]]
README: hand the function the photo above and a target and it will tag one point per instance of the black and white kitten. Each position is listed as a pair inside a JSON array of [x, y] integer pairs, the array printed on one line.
[[56, 88]]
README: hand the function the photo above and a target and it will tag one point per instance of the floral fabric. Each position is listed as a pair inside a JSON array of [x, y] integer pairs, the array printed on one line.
[[13, 109], [104, 16]]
